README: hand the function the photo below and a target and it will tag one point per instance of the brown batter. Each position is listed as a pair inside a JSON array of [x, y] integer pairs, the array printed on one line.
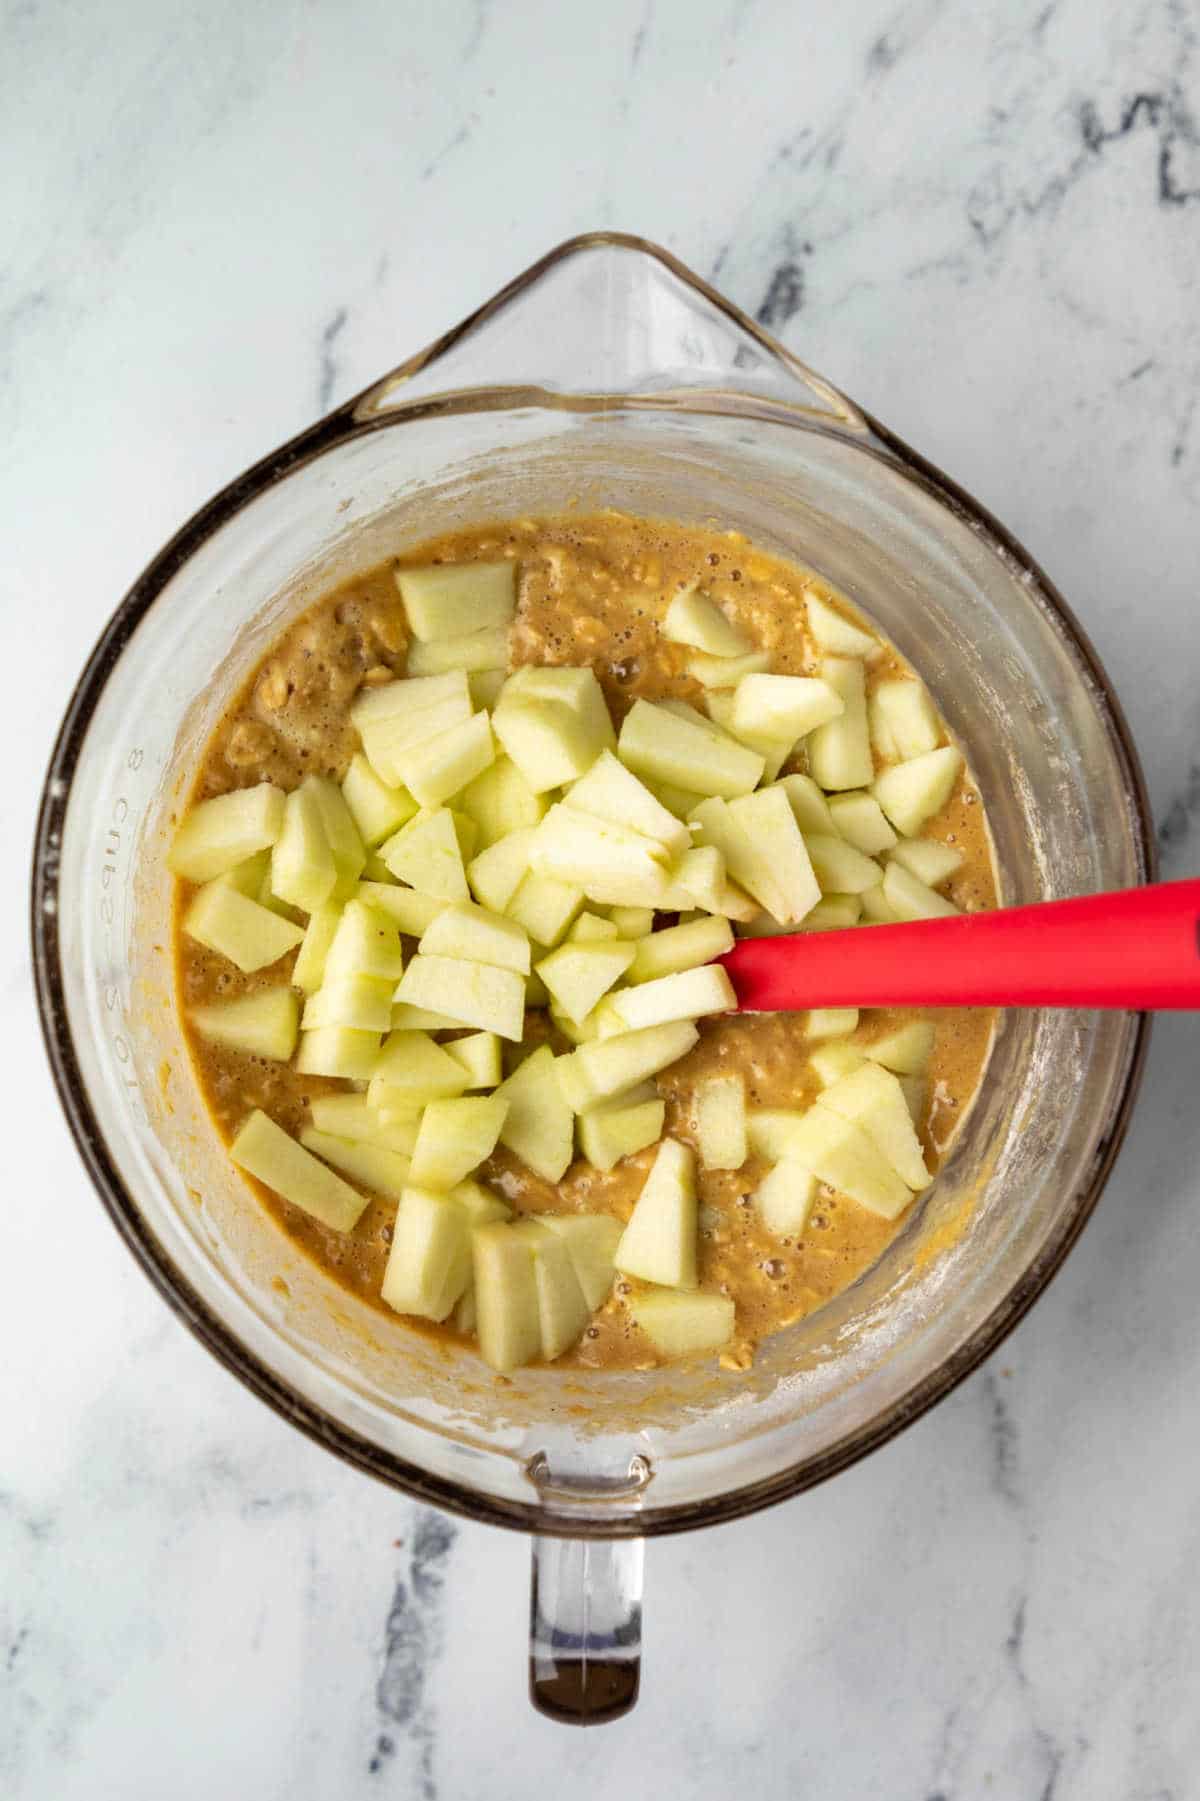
[[593, 591]]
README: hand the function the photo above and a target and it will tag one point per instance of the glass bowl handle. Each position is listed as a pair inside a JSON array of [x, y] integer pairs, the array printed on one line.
[[585, 1628]]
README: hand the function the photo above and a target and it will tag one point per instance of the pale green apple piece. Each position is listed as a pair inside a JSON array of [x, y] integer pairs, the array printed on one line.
[[905, 1051], [808, 804], [592, 1240], [784, 880], [411, 910], [931, 862], [363, 1002], [545, 907], [448, 600], [263, 1024], [384, 1171], [421, 1019], [265, 1151], [252, 937], [409, 698], [913, 791], [875, 907], [539, 1125], [438, 767], [841, 1152], [553, 723], [429, 1264], [610, 1132], [695, 619], [859, 818], [909, 898], [478, 935], [610, 791], [479, 1055], [508, 1319], [303, 871], [473, 651], [874, 1098], [690, 994], [366, 943], [352, 1116], [834, 913], [456, 1136], [783, 707], [830, 1062], [659, 744], [501, 801], [341, 834], [720, 1123], [481, 1204], [834, 633], [425, 853], [497, 872], [726, 672], [830, 1022], [338, 1051], [217, 834], [611, 863], [309, 969], [771, 1131], [474, 994], [578, 975], [683, 1325], [882, 742], [597, 1071], [411, 1065], [562, 1310], [632, 922], [910, 715], [784, 1198], [591, 928], [838, 867], [839, 753], [659, 1242], [677, 948]]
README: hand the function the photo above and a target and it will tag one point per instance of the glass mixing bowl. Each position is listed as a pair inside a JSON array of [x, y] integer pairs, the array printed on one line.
[[605, 376]]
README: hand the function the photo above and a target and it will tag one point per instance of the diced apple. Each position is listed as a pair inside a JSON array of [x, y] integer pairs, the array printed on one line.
[[659, 1243], [371, 1164], [265, 1151], [474, 994], [859, 818], [338, 1051], [771, 1131], [784, 1198], [545, 907], [473, 651], [678, 948], [479, 1055], [591, 928], [562, 1310], [392, 719], [553, 723], [575, 1031], [599, 1070], [678, 801], [303, 871], [217, 834], [352, 1116], [684, 1325], [834, 913], [425, 853], [835, 633], [411, 1067], [726, 672], [263, 1024], [721, 1123], [612, 792], [830, 1062], [839, 753], [775, 866], [438, 767], [907, 1050], [916, 1093], [366, 943], [592, 1240], [429, 1264], [506, 1297], [479, 936], [632, 922], [456, 1136], [465, 1317], [694, 618], [911, 717], [377, 809], [882, 742], [448, 599], [482, 1205], [843, 1153], [421, 1019], [485, 686], [341, 835], [698, 879], [808, 804], [501, 801], [252, 937], [577, 975], [873, 1097], [611, 863], [931, 862], [412, 911], [783, 707], [363, 1002], [539, 1125], [838, 867], [613, 1131], [909, 898], [660, 745], [830, 1022], [876, 910], [497, 872], [690, 994], [913, 791]]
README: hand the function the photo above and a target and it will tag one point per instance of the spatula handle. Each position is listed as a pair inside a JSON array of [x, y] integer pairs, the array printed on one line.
[[1136, 949]]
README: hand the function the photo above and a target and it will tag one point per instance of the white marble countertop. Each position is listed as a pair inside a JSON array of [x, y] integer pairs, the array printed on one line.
[[983, 221]]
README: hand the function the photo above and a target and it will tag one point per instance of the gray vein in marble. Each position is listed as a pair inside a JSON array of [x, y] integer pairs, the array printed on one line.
[[1181, 816], [412, 1641], [1002, 1431], [329, 360], [479, 20], [461, 136]]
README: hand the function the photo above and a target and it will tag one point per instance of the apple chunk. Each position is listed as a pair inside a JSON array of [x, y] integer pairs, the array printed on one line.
[[610, 791], [721, 1123], [604, 1068], [263, 1024], [577, 975], [691, 994], [474, 994], [591, 1239], [429, 1264], [553, 723], [839, 753], [411, 1069], [834, 632], [455, 1137], [660, 745], [538, 1127], [506, 1297], [694, 619], [677, 948], [501, 801], [477, 935], [785, 707], [784, 1198], [438, 767], [910, 717], [874, 1098], [613, 1131], [859, 818], [265, 1151], [222, 832], [611, 863], [841, 1152], [252, 937], [909, 898], [659, 1243], [448, 600], [906, 1050], [426, 854], [913, 791], [473, 651], [479, 1054], [371, 1164], [562, 1310], [338, 1051], [931, 862], [682, 1325]]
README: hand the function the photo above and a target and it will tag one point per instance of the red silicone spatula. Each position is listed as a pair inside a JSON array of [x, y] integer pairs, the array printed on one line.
[[1138, 949]]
